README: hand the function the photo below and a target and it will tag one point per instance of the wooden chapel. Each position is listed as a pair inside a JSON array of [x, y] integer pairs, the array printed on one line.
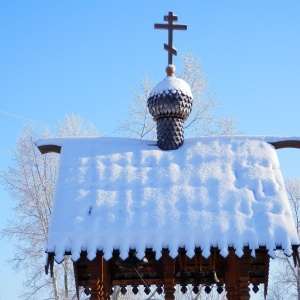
[[210, 268], [206, 213]]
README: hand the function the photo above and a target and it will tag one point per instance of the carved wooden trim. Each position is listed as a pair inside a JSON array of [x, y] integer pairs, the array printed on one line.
[[103, 282], [233, 271]]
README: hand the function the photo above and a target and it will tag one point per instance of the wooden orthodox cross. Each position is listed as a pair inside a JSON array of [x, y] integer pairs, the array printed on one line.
[[170, 27]]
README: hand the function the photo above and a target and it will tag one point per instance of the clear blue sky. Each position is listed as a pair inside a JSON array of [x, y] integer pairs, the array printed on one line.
[[63, 57]]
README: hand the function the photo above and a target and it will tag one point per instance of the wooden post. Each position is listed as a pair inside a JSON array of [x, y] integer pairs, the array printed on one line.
[[244, 268], [231, 276], [168, 275], [102, 289], [267, 264], [237, 276]]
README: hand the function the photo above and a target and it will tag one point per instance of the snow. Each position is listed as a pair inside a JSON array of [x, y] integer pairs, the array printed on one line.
[[118, 193], [172, 83]]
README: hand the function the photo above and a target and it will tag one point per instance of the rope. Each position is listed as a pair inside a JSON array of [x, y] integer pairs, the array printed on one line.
[[27, 119], [145, 283]]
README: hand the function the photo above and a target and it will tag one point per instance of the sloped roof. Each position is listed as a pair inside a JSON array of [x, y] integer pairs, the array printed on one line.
[[117, 193]]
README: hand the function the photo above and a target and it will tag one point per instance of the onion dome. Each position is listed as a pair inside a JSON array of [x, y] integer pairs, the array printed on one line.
[[170, 103]]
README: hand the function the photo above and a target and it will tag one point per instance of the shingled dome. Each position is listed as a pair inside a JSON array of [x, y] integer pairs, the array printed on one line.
[[170, 103]]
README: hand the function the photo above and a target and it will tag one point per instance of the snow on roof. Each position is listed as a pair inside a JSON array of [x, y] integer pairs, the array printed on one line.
[[117, 193], [172, 83]]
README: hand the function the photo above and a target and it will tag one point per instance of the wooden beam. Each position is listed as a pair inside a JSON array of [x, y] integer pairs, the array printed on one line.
[[49, 148], [286, 144], [231, 276], [168, 275], [277, 145], [244, 276], [132, 282]]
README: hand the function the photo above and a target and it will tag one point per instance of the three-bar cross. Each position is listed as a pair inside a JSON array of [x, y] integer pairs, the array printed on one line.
[[170, 26]]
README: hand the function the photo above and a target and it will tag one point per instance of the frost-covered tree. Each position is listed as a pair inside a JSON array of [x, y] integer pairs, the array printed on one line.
[[203, 119], [139, 123], [285, 279], [30, 182]]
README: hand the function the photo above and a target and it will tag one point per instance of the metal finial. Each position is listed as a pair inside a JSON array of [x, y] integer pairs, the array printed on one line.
[[170, 27], [170, 70]]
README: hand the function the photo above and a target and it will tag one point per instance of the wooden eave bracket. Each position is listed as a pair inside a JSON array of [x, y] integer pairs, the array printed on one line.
[[286, 144], [49, 148]]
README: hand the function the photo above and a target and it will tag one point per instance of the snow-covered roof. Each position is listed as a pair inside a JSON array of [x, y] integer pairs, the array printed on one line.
[[118, 193]]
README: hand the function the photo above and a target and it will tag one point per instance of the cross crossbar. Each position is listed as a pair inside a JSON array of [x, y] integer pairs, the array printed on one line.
[[167, 26], [170, 27]]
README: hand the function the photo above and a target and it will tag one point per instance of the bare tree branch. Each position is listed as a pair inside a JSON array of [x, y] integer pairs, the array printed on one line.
[[285, 282], [30, 182]]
